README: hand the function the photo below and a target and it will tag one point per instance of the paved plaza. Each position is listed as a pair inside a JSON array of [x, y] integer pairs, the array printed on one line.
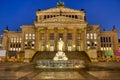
[[92, 71]]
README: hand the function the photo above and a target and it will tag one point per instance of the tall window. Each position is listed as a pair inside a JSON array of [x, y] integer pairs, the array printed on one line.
[[101, 39], [78, 36], [78, 43], [60, 35], [95, 36], [42, 36], [52, 36], [69, 36], [87, 35], [91, 35]]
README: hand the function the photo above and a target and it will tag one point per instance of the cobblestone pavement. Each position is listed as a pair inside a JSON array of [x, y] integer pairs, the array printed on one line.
[[92, 71]]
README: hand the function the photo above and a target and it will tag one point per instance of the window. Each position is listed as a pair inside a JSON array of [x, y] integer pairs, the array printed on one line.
[[43, 43], [95, 36], [87, 36], [42, 36], [78, 43], [101, 45], [60, 35], [76, 17], [11, 40], [52, 43], [69, 36], [26, 37], [91, 36], [44, 17], [78, 36], [51, 36], [101, 39], [14, 39], [109, 39], [69, 43]]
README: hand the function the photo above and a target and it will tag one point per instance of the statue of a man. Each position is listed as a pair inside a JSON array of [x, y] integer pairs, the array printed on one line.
[[60, 45]]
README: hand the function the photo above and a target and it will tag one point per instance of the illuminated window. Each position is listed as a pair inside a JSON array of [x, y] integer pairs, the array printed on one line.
[[26, 34], [20, 39], [30, 37], [42, 36], [33, 42], [95, 43], [14, 39], [78, 43], [26, 37], [78, 36], [33, 36], [91, 36], [17, 39], [19, 49], [13, 49], [95, 36], [29, 34], [10, 49], [88, 47], [16, 49], [102, 49], [87, 36], [107, 48], [88, 42], [11, 40]]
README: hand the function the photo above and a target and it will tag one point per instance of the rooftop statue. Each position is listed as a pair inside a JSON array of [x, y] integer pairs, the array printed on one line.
[[60, 3]]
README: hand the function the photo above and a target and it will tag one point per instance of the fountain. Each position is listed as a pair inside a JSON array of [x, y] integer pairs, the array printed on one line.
[[60, 55], [60, 60]]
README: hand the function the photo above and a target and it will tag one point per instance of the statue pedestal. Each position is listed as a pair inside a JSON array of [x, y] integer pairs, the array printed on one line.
[[60, 56]]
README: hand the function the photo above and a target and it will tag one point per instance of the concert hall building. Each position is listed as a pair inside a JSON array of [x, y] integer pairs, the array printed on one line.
[[59, 22]]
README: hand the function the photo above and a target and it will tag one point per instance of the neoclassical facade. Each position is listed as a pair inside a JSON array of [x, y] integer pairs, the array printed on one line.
[[60, 22]]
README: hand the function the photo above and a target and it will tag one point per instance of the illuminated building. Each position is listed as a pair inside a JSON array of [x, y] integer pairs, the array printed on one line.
[[55, 23]]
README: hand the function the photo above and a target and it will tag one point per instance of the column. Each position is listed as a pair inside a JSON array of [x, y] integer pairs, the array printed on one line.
[[45, 38], [65, 38], [37, 39], [74, 40], [56, 38]]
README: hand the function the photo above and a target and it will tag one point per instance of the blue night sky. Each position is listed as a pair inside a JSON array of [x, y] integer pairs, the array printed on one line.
[[14, 13]]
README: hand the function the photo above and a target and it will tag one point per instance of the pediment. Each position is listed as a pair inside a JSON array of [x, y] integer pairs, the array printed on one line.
[[62, 19], [62, 9]]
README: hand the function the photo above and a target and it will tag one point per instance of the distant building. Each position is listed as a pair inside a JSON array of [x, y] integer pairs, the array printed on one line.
[[60, 22]]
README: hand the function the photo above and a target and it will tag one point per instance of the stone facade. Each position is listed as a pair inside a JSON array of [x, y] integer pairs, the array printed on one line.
[[60, 22]]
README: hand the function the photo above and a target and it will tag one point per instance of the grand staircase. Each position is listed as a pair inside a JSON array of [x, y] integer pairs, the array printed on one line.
[[73, 55]]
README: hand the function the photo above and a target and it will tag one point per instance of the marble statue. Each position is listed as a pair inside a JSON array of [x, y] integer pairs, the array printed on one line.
[[60, 55], [60, 45]]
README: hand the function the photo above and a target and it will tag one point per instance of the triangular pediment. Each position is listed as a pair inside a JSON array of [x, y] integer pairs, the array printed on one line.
[[62, 19], [62, 9]]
